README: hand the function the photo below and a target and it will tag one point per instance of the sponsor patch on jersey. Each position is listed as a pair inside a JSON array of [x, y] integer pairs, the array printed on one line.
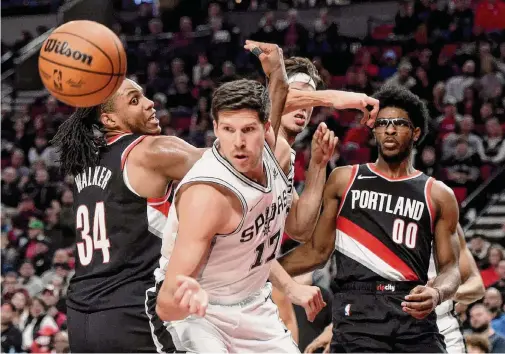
[[386, 287]]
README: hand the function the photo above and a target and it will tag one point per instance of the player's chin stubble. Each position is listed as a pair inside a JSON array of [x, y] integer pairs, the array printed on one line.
[[396, 158]]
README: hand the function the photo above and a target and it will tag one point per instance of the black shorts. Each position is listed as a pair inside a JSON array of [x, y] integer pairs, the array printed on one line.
[[119, 330], [368, 318]]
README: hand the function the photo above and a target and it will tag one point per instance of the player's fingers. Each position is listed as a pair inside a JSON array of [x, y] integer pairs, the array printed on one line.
[[375, 104], [419, 305], [416, 314], [193, 304], [179, 293], [322, 127], [184, 304], [310, 348], [417, 290], [321, 300], [327, 348]]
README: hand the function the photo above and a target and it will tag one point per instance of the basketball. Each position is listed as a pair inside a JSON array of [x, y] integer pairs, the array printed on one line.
[[82, 63]]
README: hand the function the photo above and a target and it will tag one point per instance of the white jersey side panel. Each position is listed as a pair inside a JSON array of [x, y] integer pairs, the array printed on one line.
[[238, 263]]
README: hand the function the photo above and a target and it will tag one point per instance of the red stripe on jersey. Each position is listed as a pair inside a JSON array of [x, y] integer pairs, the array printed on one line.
[[374, 245], [115, 138], [162, 207], [129, 148], [161, 204]]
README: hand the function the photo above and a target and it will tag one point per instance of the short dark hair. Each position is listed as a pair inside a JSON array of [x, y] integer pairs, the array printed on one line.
[[241, 94], [296, 65], [400, 97]]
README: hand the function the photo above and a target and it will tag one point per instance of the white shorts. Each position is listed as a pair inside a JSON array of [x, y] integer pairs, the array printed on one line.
[[250, 326], [448, 326]]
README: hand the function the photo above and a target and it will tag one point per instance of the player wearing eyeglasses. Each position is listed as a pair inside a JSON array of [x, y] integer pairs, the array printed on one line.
[[388, 217]]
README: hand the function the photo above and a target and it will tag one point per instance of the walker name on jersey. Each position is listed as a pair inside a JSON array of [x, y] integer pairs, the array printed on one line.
[[388, 203], [265, 218], [94, 176]]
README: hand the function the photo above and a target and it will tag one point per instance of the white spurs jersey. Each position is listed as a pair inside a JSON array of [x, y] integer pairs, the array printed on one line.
[[238, 263], [447, 305]]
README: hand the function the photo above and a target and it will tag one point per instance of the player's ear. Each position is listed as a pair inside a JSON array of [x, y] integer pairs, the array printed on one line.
[[417, 134], [214, 123], [267, 125], [109, 120]]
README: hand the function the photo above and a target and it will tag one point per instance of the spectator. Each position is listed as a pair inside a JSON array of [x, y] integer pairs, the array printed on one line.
[[464, 130], [406, 22], [402, 77], [21, 302], [11, 335], [476, 343], [456, 85], [461, 21], [489, 16], [36, 320], [11, 194], [10, 285], [480, 320], [489, 274], [29, 280], [494, 144], [202, 69], [500, 284], [462, 168]]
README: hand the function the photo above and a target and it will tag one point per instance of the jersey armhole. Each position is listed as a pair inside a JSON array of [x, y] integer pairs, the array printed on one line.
[[124, 159], [222, 183], [276, 163], [429, 202], [349, 184]]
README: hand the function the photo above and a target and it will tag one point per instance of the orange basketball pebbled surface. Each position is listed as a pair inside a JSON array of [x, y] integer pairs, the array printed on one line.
[[82, 63]]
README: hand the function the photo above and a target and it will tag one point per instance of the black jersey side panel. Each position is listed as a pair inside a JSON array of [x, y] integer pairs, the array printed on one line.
[[116, 253]]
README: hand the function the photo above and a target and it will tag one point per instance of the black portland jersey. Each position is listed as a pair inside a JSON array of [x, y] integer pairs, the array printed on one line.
[[118, 234], [384, 227]]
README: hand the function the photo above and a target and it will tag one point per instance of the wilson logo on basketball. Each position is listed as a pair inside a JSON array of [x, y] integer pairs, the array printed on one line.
[[62, 48]]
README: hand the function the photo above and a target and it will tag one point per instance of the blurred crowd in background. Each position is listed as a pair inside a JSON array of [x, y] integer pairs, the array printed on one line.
[[451, 54]]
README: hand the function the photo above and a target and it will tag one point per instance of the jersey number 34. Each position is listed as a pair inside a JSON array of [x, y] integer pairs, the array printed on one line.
[[98, 240]]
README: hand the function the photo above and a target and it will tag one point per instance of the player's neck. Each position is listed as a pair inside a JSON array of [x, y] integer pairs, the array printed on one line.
[[258, 175], [395, 170], [289, 137]]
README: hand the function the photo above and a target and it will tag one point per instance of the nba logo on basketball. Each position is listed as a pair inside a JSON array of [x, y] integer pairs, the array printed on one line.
[[387, 287]]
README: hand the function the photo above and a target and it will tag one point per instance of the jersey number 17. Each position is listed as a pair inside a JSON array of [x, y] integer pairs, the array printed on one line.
[[98, 240]]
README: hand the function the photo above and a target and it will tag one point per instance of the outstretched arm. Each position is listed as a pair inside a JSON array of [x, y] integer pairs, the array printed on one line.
[[298, 99], [304, 212], [169, 156], [192, 236], [318, 250], [472, 287], [272, 62]]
